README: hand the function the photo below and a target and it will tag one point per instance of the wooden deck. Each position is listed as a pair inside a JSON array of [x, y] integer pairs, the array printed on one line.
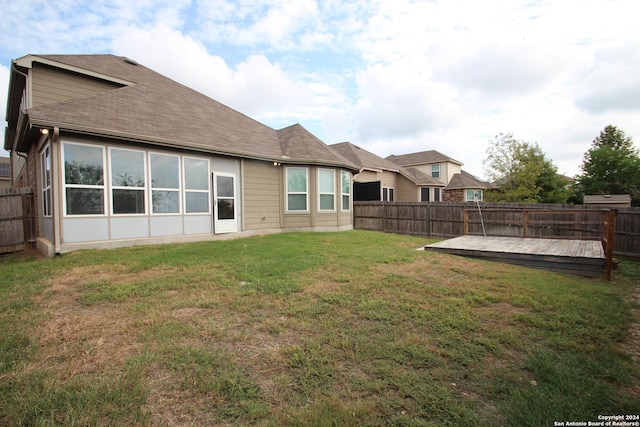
[[582, 257]]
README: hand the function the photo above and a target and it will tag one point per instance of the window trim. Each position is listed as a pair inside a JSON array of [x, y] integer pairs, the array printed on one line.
[[102, 187], [185, 190], [145, 188], [287, 192], [342, 194], [179, 189], [391, 192], [46, 165], [324, 193]]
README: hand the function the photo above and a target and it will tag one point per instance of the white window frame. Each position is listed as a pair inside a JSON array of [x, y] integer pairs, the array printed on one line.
[[435, 170], [187, 190], [287, 192], [475, 192], [179, 189], [343, 194], [325, 193], [102, 187], [391, 192], [428, 189], [45, 164], [145, 188]]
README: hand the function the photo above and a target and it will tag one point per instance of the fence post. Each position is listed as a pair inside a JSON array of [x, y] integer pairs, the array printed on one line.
[[525, 223], [428, 206], [466, 222], [610, 233]]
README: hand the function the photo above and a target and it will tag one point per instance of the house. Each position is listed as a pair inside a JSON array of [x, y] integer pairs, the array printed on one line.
[[459, 186], [608, 200], [5, 172], [381, 179], [119, 155]]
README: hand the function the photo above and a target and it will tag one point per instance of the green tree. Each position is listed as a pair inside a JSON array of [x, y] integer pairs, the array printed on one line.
[[522, 172], [610, 166]]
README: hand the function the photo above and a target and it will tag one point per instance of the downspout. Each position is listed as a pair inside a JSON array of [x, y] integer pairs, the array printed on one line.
[[57, 194]]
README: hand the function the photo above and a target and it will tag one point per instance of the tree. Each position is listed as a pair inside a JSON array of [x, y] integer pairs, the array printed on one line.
[[610, 166], [522, 172]]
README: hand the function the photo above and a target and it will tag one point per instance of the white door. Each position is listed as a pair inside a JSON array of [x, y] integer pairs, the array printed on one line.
[[224, 202]]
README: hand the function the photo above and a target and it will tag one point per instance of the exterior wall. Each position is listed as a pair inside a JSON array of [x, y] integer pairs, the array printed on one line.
[[447, 170], [406, 191], [366, 176], [456, 195], [314, 218], [262, 194], [50, 86]]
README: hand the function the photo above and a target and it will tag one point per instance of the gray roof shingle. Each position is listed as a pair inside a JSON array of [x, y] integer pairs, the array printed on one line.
[[421, 158], [157, 110]]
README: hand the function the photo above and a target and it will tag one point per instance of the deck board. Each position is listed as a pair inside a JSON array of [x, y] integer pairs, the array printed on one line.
[[584, 257]]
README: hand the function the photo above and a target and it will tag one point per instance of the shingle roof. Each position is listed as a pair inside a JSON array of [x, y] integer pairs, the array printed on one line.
[[421, 158], [158, 110], [466, 180], [367, 160]]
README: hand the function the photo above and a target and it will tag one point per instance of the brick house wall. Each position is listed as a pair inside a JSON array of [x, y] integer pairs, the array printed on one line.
[[456, 195]]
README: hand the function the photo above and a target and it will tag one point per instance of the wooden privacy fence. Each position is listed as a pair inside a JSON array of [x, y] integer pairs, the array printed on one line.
[[447, 219], [17, 219]]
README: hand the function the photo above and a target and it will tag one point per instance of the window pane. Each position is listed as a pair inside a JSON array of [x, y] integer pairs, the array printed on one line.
[[83, 165], [196, 174], [165, 201], [197, 202], [224, 186], [296, 180], [164, 171], [297, 202], [225, 209], [327, 184], [127, 168], [128, 201], [85, 201], [346, 183], [326, 202], [345, 203], [424, 194]]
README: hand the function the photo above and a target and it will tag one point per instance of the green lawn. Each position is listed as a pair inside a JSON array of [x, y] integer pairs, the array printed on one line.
[[347, 329]]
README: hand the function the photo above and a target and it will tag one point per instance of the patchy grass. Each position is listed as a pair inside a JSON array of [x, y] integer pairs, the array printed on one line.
[[355, 328]]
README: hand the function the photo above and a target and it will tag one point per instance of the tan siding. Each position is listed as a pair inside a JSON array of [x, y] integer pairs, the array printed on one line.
[[388, 179], [50, 86], [406, 191], [366, 176], [262, 186]]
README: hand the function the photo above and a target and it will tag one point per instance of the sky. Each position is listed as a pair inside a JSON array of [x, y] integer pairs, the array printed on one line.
[[390, 76]]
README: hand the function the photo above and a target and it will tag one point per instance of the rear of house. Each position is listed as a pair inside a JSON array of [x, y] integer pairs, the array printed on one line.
[[120, 155]]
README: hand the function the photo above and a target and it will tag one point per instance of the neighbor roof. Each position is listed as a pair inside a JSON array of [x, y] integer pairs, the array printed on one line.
[[367, 160], [151, 108], [464, 180], [421, 158]]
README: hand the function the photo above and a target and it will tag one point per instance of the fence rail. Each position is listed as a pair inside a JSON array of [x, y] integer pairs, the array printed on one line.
[[446, 219], [17, 219]]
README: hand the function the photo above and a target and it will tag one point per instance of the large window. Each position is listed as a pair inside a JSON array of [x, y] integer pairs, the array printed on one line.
[[45, 159], [297, 189], [327, 189], [436, 194], [346, 191], [196, 185], [128, 183], [435, 171], [473, 196], [165, 183], [83, 179]]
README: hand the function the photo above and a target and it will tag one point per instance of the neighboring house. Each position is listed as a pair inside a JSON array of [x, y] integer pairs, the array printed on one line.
[[5, 172], [459, 186], [608, 200], [380, 179], [120, 155]]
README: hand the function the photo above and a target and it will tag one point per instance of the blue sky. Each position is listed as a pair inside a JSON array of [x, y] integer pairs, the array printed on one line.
[[391, 76]]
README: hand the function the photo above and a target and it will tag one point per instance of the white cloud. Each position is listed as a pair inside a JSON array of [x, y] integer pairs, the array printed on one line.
[[4, 83]]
